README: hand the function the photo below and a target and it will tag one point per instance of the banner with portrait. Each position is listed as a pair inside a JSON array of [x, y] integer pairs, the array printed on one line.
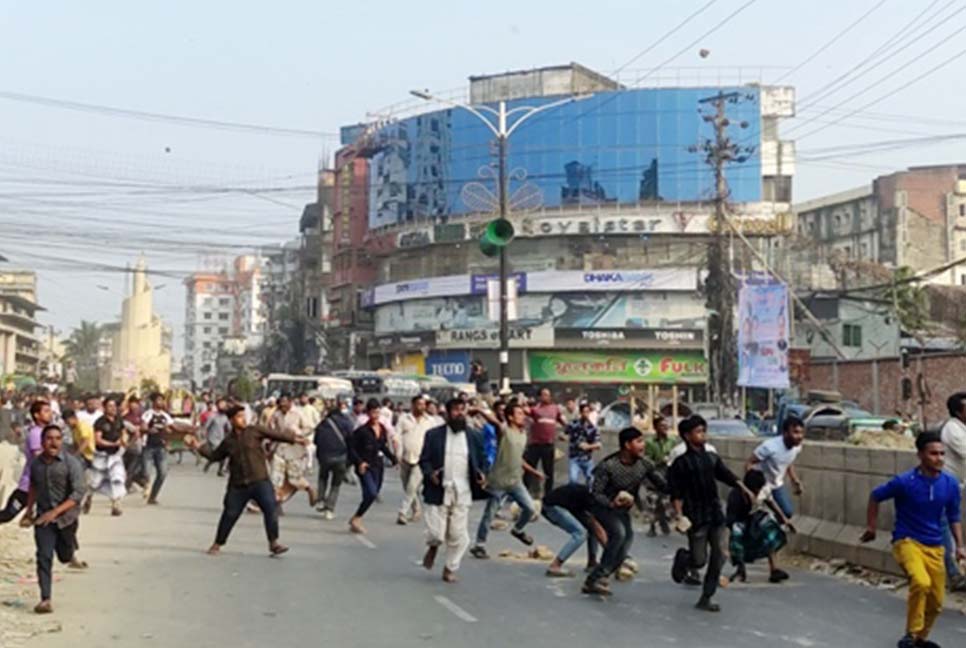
[[763, 330]]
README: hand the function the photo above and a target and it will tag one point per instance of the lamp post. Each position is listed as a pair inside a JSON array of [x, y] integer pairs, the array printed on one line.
[[506, 122]]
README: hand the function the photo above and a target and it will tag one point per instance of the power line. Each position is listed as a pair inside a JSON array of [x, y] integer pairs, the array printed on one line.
[[663, 38], [830, 42], [162, 117]]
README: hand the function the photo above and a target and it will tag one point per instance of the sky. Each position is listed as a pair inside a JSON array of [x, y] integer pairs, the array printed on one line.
[[83, 187]]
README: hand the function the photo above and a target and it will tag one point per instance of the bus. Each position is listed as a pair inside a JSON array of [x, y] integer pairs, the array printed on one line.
[[324, 387], [381, 384]]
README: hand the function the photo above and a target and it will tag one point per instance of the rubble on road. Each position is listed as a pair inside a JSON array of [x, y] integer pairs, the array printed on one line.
[[842, 569], [18, 589]]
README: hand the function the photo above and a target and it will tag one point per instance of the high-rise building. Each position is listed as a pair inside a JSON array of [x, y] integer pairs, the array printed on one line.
[[220, 306], [141, 347], [20, 347]]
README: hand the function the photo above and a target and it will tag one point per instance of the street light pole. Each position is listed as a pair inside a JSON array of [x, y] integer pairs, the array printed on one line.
[[502, 131]]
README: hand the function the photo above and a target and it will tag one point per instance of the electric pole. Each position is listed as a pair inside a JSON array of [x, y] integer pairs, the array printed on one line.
[[720, 285]]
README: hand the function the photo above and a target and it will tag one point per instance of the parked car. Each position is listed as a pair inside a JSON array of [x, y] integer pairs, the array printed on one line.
[[729, 428]]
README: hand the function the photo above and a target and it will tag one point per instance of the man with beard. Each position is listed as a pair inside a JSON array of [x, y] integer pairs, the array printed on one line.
[[451, 462]]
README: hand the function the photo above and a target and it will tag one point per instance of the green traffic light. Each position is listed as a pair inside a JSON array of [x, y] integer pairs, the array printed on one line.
[[498, 234]]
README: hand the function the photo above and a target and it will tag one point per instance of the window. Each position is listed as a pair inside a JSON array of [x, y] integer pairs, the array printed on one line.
[[207, 329], [223, 330], [224, 301], [208, 316], [962, 210], [851, 335], [223, 317]]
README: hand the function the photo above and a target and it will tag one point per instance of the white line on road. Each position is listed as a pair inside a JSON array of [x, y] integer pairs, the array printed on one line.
[[365, 541], [455, 609]]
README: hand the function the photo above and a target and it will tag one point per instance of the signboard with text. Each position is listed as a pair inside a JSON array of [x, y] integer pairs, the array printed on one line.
[[655, 367], [629, 338], [451, 365]]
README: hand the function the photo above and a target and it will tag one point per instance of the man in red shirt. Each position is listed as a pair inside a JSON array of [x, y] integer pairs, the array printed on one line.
[[545, 416]]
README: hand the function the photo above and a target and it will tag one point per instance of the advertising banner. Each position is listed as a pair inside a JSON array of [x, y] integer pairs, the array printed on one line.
[[555, 281], [454, 366], [674, 310], [763, 334], [629, 338], [489, 338], [478, 282], [678, 367], [419, 289], [409, 363]]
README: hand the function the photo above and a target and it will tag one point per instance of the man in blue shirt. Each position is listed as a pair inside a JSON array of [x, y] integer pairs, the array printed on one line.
[[923, 497], [583, 439]]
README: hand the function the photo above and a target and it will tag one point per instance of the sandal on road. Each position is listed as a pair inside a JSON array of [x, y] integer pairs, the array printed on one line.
[[522, 537]]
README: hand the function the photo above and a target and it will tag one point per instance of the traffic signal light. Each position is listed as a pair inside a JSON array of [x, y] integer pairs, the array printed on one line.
[[498, 234]]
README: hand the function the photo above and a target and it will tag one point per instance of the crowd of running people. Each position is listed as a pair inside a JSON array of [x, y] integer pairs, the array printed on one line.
[[500, 451]]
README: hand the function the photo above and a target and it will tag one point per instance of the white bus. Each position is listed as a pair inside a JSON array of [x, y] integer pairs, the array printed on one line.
[[324, 387]]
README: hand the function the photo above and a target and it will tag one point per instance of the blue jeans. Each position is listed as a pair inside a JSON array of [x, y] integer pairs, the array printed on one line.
[[370, 483], [783, 500], [949, 553], [158, 457], [519, 494], [581, 466], [564, 519]]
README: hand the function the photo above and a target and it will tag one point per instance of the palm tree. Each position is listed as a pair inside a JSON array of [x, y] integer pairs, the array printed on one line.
[[81, 347]]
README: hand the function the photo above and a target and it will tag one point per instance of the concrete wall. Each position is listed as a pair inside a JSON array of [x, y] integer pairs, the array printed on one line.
[[830, 516], [854, 380]]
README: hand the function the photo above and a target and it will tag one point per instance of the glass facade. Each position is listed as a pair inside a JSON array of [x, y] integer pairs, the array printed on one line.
[[626, 146]]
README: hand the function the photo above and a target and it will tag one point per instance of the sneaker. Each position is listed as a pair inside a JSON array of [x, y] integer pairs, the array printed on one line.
[[907, 641], [522, 536], [479, 551], [692, 579], [679, 568], [44, 607], [329, 515], [321, 508], [777, 576], [595, 587], [707, 605], [559, 573], [401, 520]]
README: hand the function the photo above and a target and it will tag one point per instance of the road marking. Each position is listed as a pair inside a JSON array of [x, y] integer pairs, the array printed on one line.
[[365, 541], [455, 609]]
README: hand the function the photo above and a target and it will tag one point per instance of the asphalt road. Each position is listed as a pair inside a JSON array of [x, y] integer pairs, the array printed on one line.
[[150, 584]]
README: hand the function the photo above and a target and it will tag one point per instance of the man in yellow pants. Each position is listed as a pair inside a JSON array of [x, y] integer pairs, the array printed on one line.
[[923, 497]]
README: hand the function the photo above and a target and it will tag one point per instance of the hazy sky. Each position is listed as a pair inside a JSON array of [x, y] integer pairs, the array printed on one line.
[[82, 187]]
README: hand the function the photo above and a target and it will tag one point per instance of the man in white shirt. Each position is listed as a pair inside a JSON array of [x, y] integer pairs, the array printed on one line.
[[452, 465], [775, 457], [953, 434], [290, 460], [412, 429], [92, 410]]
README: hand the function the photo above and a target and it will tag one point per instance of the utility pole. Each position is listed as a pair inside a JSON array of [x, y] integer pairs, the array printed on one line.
[[720, 285], [504, 272]]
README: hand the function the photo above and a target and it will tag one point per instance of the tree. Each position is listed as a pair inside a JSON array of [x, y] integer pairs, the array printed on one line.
[[910, 301], [81, 347], [244, 387]]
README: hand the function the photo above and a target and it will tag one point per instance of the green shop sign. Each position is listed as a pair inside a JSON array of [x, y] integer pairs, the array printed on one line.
[[618, 367]]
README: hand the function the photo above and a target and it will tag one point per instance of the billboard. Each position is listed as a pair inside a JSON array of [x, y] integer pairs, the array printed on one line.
[[620, 147], [628, 338], [763, 334], [558, 310], [656, 367], [454, 366]]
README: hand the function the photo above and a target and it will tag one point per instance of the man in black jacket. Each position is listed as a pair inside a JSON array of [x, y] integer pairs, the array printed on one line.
[[331, 449], [452, 463]]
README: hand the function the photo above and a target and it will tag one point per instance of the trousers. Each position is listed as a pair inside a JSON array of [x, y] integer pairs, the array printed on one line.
[[411, 477], [706, 546], [542, 454], [51, 539], [449, 523], [331, 476], [927, 584], [15, 504], [156, 456], [518, 493], [371, 483], [620, 536], [234, 505]]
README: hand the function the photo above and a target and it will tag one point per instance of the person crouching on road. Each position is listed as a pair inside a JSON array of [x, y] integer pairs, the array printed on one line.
[[570, 508], [923, 497], [247, 475], [57, 488], [451, 461]]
